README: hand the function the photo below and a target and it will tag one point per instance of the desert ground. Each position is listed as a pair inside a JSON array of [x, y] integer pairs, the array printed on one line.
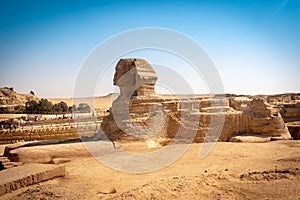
[[230, 171], [101, 103]]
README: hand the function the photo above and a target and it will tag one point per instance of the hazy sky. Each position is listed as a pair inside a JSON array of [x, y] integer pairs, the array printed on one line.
[[255, 44]]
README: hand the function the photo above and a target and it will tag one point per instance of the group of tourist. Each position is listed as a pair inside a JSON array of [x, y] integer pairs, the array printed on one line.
[[12, 126]]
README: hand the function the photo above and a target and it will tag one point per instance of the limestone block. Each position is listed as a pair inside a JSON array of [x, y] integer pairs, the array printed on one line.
[[22, 176], [250, 139]]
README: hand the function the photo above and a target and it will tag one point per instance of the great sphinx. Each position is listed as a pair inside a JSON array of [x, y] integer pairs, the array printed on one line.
[[139, 113]]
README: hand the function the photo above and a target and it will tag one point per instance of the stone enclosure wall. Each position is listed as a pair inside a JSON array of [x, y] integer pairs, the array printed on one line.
[[50, 132]]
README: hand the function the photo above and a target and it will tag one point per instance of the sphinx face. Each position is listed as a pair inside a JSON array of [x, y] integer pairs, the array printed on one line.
[[135, 77], [124, 73]]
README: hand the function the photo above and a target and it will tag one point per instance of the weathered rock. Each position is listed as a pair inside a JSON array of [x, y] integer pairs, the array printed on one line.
[[294, 128], [140, 114], [250, 139], [49, 132], [287, 104], [107, 190], [5, 163], [58, 153], [22, 176], [135, 77]]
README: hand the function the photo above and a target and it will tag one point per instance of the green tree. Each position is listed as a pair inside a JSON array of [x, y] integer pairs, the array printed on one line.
[[72, 108], [32, 107], [84, 107], [20, 109], [57, 108], [60, 107], [64, 106], [4, 110], [45, 106]]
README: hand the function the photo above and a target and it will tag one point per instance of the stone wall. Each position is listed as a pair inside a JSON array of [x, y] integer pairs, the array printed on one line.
[[49, 132]]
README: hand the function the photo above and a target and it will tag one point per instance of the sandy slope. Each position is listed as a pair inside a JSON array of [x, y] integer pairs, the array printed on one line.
[[100, 101], [230, 171]]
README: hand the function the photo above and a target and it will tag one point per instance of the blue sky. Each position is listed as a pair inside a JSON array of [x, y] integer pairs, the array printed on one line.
[[254, 44]]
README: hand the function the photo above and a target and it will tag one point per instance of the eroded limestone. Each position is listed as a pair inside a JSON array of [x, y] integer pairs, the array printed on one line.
[[140, 114]]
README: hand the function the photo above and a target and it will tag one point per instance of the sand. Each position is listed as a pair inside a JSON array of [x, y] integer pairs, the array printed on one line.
[[231, 171], [100, 102]]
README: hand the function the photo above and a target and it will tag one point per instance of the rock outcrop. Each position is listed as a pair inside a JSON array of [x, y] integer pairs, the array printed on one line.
[[10, 97], [140, 114]]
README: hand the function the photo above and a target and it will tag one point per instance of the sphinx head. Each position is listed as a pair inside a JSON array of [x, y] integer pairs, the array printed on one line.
[[135, 77]]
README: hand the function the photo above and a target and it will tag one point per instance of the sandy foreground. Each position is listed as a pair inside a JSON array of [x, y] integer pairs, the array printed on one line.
[[230, 171]]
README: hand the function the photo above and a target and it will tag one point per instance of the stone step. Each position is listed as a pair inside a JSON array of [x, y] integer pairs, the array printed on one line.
[[7, 166], [6, 163], [3, 159]]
